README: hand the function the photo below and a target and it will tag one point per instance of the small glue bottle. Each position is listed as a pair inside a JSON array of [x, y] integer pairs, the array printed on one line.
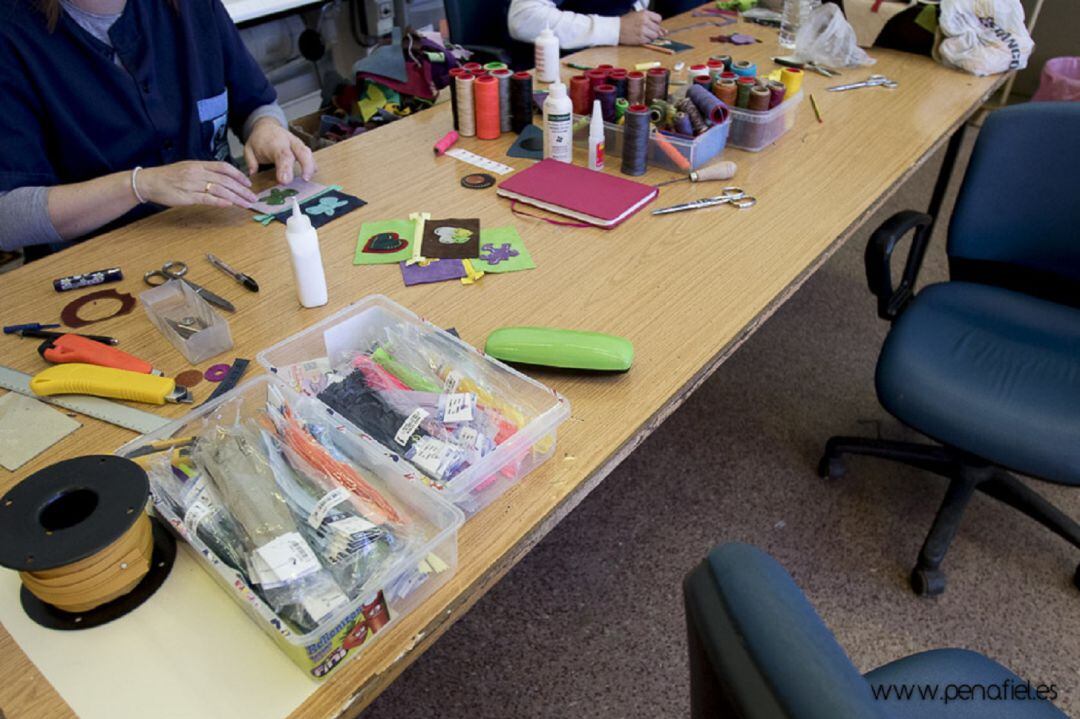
[[306, 259], [558, 133], [596, 138], [546, 57]]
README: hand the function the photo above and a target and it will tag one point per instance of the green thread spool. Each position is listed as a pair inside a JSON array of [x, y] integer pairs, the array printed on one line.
[[621, 106]]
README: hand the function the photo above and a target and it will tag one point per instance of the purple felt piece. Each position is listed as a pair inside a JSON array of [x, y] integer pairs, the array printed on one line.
[[437, 271]]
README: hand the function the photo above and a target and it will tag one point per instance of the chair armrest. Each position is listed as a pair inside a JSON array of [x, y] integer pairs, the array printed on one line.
[[891, 301], [497, 54]]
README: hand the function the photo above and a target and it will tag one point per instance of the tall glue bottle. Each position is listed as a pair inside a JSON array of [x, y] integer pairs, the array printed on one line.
[[306, 259], [546, 56], [558, 134]]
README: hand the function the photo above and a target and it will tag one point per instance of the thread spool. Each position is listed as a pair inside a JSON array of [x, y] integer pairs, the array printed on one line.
[[724, 59], [759, 99], [481, 73], [596, 77], [466, 106], [521, 101], [617, 77], [455, 72], [715, 68], [792, 78], [656, 84], [708, 104], [77, 533], [744, 85], [682, 124], [502, 76], [699, 70], [636, 141], [606, 67], [703, 80], [493, 66], [635, 87], [621, 105], [606, 95], [744, 68], [659, 112], [697, 121], [472, 67], [486, 96], [729, 75], [580, 92], [776, 93], [727, 92], [445, 143]]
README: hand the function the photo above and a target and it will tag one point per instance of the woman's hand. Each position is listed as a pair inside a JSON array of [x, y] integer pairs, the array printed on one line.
[[269, 142], [195, 183], [639, 27]]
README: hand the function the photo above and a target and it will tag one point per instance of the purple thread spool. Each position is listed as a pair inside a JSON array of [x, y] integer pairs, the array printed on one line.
[[606, 95], [708, 104], [776, 92], [682, 124]]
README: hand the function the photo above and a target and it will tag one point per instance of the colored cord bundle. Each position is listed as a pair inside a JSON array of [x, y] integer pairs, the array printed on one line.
[[101, 577]]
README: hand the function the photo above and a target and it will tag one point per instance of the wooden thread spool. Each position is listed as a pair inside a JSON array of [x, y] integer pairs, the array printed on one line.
[[83, 545]]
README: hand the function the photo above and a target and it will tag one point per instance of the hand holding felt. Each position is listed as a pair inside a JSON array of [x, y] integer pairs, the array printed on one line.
[[269, 142], [195, 182]]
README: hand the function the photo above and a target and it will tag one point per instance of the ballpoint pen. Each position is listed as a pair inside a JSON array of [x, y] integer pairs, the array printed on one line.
[[246, 280]]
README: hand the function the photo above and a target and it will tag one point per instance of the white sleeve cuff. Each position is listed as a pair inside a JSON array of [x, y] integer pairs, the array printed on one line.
[[605, 30]]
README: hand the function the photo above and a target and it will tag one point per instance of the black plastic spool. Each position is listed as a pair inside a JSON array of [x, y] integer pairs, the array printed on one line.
[[72, 510], [477, 181]]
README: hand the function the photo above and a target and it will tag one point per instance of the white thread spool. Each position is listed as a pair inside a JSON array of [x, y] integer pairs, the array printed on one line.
[[466, 105]]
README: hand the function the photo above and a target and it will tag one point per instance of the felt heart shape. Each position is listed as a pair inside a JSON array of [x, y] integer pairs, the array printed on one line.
[[385, 243]]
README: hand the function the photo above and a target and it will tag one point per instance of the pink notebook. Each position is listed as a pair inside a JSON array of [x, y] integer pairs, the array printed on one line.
[[594, 197]]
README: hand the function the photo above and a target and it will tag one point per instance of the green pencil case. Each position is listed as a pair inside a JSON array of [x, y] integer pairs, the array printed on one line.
[[566, 349]]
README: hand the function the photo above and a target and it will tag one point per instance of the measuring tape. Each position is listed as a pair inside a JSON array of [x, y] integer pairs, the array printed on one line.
[[482, 162], [96, 407]]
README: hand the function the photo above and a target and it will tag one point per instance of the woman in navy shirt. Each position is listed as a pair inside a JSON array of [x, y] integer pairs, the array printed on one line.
[[113, 109]]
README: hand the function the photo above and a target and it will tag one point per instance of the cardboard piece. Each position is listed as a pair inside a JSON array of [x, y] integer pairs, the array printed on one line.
[[437, 271], [28, 428], [385, 242], [502, 250], [451, 239]]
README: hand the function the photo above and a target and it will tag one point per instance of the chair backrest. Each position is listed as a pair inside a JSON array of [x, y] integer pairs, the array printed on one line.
[[1017, 218], [478, 22], [770, 653]]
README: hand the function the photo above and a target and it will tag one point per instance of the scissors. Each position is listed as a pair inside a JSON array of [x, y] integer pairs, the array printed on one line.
[[175, 271], [872, 81], [732, 195]]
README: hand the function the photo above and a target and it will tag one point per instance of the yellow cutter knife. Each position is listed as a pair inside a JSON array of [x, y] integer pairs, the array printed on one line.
[[77, 378]]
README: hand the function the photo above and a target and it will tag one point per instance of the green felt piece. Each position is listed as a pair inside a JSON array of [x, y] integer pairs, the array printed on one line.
[[498, 237], [376, 238]]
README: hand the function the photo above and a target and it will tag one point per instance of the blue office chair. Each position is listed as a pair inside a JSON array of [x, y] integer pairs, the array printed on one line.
[[988, 363], [758, 650], [480, 26]]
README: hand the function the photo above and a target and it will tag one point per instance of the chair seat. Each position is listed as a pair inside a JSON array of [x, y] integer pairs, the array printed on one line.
[[976, 688], [990, 371]]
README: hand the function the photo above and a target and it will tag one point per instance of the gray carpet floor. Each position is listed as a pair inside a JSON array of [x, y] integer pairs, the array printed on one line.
[[590, 623]]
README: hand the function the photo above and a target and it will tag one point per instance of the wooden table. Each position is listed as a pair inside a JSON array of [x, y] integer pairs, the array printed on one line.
[[687, 289]]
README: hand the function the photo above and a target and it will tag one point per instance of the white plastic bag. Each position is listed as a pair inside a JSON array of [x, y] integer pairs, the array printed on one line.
[[984, 37], [827, 39]]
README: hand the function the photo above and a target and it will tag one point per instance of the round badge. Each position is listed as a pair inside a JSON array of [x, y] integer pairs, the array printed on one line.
[[477, 181]]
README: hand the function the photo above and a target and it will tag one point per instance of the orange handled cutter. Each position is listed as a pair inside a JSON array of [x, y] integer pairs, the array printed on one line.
[[73, 348]]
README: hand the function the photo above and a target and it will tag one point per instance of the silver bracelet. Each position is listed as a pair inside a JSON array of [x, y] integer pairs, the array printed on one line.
[[135, 187]]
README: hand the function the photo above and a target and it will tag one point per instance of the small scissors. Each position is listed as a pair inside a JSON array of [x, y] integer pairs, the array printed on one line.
[[732, 195], [175, 271], [872, 81]]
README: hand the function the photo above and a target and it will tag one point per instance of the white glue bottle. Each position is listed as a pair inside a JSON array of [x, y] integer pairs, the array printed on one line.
[[306, 259], [596, 138], [546, 56], [558, 133]]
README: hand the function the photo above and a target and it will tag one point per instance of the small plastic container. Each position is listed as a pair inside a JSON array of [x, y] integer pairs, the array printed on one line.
[[187, 321], [391, 594], [695, 152], [754, 130], [360, 326]]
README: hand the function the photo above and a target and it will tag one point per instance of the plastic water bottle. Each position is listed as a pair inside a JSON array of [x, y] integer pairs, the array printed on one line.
[[794, 15]]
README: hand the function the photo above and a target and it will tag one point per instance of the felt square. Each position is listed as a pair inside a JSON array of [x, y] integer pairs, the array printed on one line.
[[279, 197], [529, 144], [669, 45], [28, 428], [437, 271], [502, 250], [386, 242], [327, 206], [451, 239]]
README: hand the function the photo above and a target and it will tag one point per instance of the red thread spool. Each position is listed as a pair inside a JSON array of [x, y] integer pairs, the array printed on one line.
[[729, 75], [472, 67], [481, 73], [486, 95], [727, 91], [703, 80], [596, 76], [606, 68], [580, 94]]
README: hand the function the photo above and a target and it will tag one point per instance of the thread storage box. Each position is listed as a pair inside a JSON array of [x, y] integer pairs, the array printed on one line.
[[754, 130], [534, 409], [397, 586], [695, 152]]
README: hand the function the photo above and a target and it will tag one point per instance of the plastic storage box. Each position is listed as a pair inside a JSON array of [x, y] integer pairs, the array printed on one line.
[[755, 130], [396, 589], [663, 148], [537, 410], [187, 321]]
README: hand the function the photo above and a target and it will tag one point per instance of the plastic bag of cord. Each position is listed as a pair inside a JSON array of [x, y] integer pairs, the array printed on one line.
[[322, 536]]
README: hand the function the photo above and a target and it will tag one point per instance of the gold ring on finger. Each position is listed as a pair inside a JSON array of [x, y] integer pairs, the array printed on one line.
[[208, 186]]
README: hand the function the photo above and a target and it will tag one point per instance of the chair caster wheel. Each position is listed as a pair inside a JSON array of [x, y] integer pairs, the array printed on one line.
[[831, 467], [927, 582]]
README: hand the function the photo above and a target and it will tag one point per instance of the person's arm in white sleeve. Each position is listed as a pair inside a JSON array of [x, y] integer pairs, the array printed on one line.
[[528, 18]]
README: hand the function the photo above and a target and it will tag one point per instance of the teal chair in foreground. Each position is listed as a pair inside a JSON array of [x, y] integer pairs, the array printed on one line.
[[758, 650]]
